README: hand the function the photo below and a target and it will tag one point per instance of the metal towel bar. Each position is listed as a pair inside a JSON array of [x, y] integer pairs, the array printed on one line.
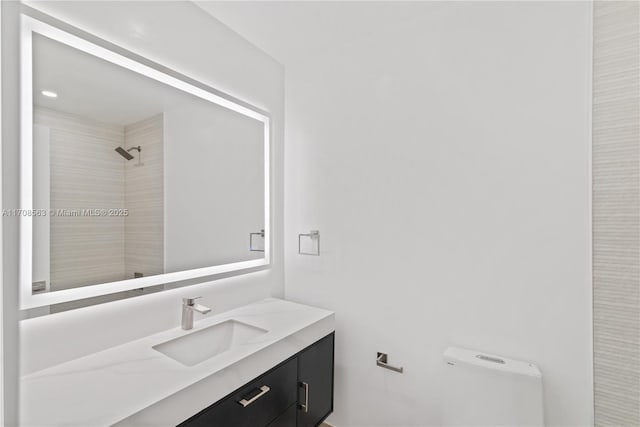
[[251, 248], [314, 235]]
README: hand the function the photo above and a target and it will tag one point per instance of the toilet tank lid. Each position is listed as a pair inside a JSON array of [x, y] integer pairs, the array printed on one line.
[[455, 355]]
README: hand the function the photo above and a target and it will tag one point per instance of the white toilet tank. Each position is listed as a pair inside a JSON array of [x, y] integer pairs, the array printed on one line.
[[487, 390]]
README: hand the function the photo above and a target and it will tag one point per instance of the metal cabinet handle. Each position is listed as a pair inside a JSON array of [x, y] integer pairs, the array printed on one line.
[[305, 406], [263, 390]]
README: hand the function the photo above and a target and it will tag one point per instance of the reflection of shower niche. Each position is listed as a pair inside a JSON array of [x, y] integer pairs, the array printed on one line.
[[147, 182]]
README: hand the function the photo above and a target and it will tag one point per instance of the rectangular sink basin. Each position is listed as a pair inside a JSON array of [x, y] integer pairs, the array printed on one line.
[[206, 343]]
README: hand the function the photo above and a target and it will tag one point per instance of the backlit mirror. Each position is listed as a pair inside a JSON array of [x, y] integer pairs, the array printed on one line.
[[133, 178]]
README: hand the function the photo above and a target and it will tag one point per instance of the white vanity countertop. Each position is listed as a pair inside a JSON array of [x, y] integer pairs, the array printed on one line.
[[107, 387]]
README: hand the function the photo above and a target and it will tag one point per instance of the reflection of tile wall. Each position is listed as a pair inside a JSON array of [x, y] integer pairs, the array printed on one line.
[[616, 208], [144, 197], [85, 174]]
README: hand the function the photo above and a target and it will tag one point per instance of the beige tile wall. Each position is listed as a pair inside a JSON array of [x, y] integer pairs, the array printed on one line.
[[144, 197], [85, 174], [616, 212]]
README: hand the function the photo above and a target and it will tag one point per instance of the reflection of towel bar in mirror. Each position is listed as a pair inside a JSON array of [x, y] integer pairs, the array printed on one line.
[[314, 235], [251, 248]]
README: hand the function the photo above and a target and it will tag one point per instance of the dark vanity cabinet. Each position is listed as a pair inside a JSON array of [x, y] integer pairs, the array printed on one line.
[[315, 378], [297, 392]]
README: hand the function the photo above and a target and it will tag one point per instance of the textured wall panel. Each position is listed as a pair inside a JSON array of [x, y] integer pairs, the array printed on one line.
[[85, 174], [144, 197], [616, 213]]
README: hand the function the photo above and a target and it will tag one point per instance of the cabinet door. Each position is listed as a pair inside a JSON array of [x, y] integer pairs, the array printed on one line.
[[315, 376], [254, 405]]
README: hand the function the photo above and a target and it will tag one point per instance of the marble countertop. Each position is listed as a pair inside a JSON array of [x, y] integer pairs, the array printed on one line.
[[120, 383]]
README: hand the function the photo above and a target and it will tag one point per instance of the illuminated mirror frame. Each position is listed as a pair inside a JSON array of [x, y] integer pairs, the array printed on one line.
[[29, 26]]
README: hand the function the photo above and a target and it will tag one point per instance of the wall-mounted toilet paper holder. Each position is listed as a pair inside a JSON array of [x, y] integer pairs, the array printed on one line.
[[381, 360]]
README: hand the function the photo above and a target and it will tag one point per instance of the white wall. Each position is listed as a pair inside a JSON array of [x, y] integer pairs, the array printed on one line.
[[444, 158], [2, 311], [180, 36], [1, 281], [214, 193], [10, 132]]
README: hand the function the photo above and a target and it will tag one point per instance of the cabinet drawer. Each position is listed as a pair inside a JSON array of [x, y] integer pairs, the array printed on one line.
[[288, 419], [256, 404]]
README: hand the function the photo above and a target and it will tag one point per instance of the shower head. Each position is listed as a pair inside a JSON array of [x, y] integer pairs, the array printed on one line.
[[124, 153]]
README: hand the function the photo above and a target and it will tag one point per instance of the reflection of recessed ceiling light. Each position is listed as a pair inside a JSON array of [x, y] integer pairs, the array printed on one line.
[[49, 94]]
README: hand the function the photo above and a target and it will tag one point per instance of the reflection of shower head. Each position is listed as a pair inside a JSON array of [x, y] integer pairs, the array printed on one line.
[[125, 153]]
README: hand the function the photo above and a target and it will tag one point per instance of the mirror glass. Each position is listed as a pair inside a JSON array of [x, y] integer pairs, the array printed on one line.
[[133, 177]]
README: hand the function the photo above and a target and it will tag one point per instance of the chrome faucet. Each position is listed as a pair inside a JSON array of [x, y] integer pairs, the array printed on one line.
[[188, 307]]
